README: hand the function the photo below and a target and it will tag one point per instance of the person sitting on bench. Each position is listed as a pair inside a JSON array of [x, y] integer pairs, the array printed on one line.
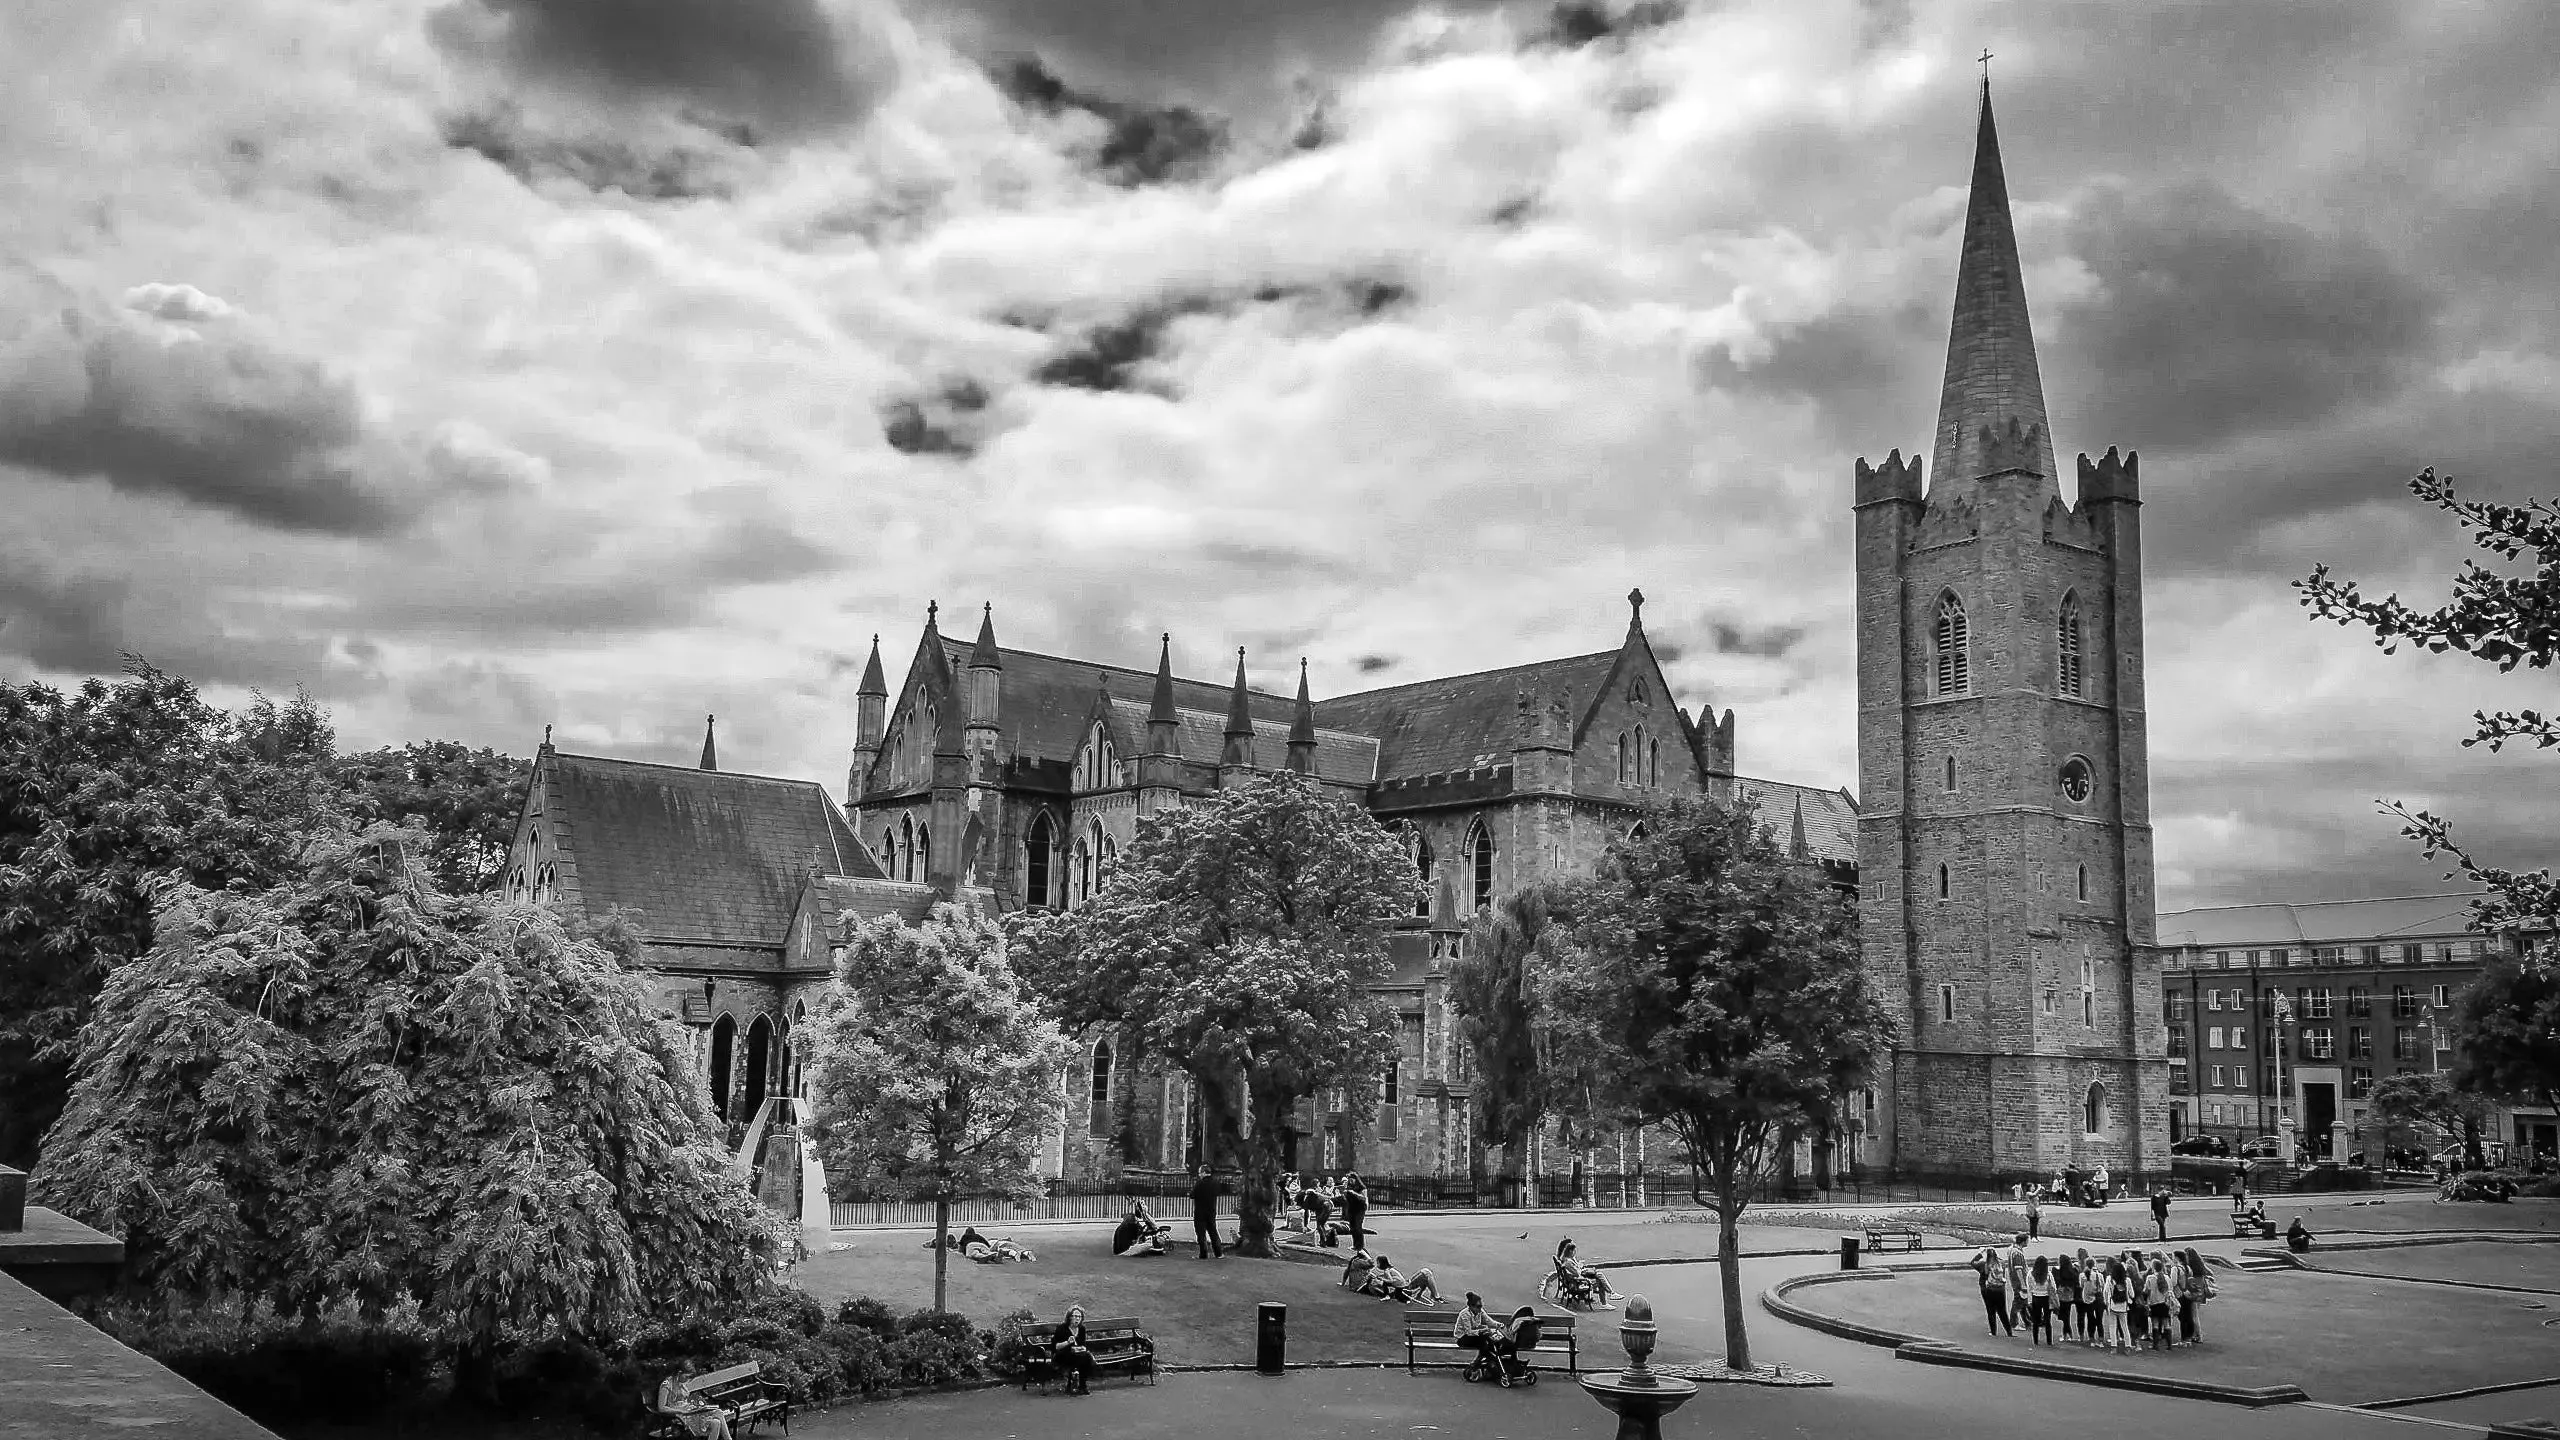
[[1578, 1280], [1474, 1329], [1068, 1350], [700, 1418]]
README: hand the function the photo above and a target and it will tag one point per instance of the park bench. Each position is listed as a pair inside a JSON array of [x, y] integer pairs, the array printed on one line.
[[1437, 1330], [2245, 1228], [1119, 1346], [1877, 1235], [740, 1392]]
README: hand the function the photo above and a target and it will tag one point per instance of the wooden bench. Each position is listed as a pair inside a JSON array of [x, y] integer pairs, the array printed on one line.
[[1119, 1346], [741, 1393], [1877, 1235], [1437, 1330], [2244, 1228]]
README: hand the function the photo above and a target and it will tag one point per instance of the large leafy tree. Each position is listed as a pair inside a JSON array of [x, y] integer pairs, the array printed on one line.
[[2424, 1099], [934, 1075], [462, 801], [1523, 1076], [2508, 1022], [101, 789], [351, 1092], [1715, 989], [1239, 939], [2504, 619]]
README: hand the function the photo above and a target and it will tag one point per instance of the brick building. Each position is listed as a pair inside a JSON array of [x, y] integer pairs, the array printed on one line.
[[2371, 986], [2004, 843]]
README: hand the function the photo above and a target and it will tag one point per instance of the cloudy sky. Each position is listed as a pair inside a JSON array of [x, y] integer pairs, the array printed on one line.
[[482, 364]]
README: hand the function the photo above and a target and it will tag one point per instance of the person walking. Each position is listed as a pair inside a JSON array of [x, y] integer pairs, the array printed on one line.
[[2160, 1212], [1204, 1213], [2035, 1216], [1355, 1209]]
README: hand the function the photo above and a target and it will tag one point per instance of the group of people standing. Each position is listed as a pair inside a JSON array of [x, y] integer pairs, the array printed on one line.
[[2120, 1302], [1314, 1203]]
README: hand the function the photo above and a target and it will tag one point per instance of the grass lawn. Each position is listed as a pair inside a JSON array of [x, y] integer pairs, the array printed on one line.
[[2481, 1262], [2342, 1338], [1200, 1311]]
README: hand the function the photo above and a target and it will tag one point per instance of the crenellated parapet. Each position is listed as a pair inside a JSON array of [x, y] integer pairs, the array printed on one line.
[[1896, 479], [2013, 449], [2111, 477]]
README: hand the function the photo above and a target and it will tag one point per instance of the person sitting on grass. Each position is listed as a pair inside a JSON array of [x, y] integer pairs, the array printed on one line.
[[1388, 1283], [1135, 1237], [700, 1418], [1356, 1272]]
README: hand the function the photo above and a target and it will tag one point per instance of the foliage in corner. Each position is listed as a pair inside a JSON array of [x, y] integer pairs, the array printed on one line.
[[462, 801]]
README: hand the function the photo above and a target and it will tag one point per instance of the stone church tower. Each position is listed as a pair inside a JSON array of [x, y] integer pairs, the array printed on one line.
[[2004, 842]]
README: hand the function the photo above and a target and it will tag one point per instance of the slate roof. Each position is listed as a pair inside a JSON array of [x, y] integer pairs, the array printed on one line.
[[700, 855], [840, 897], [2319, 922], [1830, 821], [1352, 759], [1045, 699], [1462, 721]]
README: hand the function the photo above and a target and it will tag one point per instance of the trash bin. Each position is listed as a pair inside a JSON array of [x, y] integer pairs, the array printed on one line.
[[1271, 1337], [1848, 1252]]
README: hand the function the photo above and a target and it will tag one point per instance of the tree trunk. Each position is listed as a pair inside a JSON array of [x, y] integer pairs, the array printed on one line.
[[1737, 1341], [941, 1249], [475, 1372], [1258, 1179]]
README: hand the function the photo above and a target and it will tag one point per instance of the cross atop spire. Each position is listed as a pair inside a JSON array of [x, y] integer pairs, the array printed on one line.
[[1992, 377], [873, 683], [1239, 706], [710, 751]]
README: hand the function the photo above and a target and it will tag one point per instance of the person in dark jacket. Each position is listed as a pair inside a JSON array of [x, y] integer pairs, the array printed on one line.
[[1319, 1214], [1068, 1350], [1355, 1210], [1204, 1214], [2160, 1212]]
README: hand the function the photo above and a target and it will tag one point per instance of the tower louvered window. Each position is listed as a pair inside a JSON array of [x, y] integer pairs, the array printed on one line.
[[1955, 665], [2066, 646]]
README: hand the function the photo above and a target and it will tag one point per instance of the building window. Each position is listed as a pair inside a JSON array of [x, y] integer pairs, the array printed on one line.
[[2052, 1001], [2239, 1037], [1955, 662], [1946, 1002], [1949, 783], [2084, 883], [2359, 1042], [2404, 1002], [2443, 996], [2175, 1009], [2066, 646], [2088, 1008], [1480, 861], [1622, 757], [1389, 1089], [1636, 757], [2239, 1001], [2319, 1042], [2360, 1082], [924, 852], [2221, 1078], [2359, 1000], [1098, 1106], [907, 847], [2213, 999], [2404, 1043], [2412, 954], [1422, 869], [1082, 876], [1038, 850], [2177, 1042], [2315, 1004], [2371, 954], [2093, 1109], [1653, 762], [1943, 887], [2221, 959], [2213, 1037]]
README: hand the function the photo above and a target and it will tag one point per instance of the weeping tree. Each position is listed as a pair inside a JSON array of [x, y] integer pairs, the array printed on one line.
[[1522, 1076], [351, 1093], [934, 1075], [1715, 989], [1240, 938]]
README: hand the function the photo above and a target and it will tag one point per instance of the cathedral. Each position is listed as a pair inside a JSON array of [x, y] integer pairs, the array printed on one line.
[[2001, 855]]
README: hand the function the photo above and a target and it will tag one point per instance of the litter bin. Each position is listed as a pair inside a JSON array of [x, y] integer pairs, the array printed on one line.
[[1848, 1252], [1271, 1337]]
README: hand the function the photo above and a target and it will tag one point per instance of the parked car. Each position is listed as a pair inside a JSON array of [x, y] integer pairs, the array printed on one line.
[[2213, 1145], [2262, 1148], [2401, 1157]]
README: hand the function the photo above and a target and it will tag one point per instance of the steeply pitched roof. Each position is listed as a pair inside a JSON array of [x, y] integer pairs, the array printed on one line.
[[702, 855], [1431, 726], [1046, 699], [1830, 821], [1992, 379], [1340, 755], [2319, 922]]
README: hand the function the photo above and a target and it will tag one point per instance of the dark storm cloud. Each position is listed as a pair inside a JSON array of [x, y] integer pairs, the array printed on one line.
[[1372, 664], [703, 166], [1572, 24], [1114, 354], [1766, 642], [2213, 320], [947, 422], [1143, 144], [213, 416], [790, 65]]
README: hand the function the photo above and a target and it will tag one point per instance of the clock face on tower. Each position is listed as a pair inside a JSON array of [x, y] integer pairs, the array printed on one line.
[[2076, 780]]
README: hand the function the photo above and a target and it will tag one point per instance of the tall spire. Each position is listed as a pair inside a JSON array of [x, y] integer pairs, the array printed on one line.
[[1160, 709], [986, 656], [872, 682], [1239, 707], [1992, 378], [710, 751], [1302, 728]]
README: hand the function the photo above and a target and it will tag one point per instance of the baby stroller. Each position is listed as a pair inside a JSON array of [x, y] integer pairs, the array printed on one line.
[[1501, 1359]]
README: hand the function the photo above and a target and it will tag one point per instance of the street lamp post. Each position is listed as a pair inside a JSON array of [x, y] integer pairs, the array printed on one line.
[[2284, 1097]]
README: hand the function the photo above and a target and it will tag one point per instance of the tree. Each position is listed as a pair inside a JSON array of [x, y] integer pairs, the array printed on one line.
[[102, 789], [1715, 988], [2417, 1098], [2508, 1024], [2504, 620], [352, 1091], [463, 802], [1496, 988], [1239, 938], [933, 1074]]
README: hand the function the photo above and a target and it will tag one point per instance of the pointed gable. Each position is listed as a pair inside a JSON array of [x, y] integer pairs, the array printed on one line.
[[1432, 727]]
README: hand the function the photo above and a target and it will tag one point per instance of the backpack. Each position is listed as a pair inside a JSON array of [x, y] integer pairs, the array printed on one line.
[[2206, 1286], [2116, 1293]]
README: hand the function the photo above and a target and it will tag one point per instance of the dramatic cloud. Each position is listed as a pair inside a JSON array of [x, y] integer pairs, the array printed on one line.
[[483, 364]]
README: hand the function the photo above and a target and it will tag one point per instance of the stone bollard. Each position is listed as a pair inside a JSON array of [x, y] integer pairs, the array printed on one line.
[[1637, 1396]]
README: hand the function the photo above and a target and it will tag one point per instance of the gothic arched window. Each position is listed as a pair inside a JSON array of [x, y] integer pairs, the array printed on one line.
[[1622, 757], [1955, 651], [724, 1039], [2093, 1109], [1637, 759], [2066, 646], [889, 852], [1422, 863], [1080, 876], [907, 848], [1480, 861], [1037, 852], [1653, 762], [923, 858], [1098, 1111]]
